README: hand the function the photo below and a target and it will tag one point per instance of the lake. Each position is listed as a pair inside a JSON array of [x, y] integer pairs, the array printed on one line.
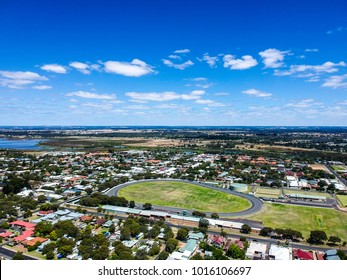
[[21, 144]]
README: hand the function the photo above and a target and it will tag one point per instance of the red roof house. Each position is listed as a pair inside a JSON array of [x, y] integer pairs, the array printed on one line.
[[24, 235], [6, 234], [23, 224], [33, 241], [303, 255]]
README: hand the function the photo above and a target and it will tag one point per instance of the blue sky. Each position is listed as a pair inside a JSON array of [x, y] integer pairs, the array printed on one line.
[[173, 62]]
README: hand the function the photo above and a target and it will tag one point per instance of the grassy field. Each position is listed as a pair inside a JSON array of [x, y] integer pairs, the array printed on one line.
[[267, 192], [342, 199], [314, 193], [183, 195], [303, 219], [338, 167]]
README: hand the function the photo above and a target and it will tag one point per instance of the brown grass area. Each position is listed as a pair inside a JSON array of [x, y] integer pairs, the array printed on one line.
[[154, 142], [273, 147], [318, 167]]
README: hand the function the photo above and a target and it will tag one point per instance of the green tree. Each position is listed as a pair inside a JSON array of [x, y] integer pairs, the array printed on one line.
[[342, 254], [43, 228], [317, 237], [168, 233], [154, 232], [197, 257], [154, 250], [48, 247], [182, 234], [163, 255], [50, 255], [334, 239], [18, 256], [147, 206], [5, 225], [112, 228], [132, 204], [14, 184], [265, 231], [125, 234], [198, 214], [141, 255], [66, 227], [171, 245], [245, 229], [236, 252], [214, 216], [41, 198], [121, 252], [65, 250], [203, 223], [218, 254]]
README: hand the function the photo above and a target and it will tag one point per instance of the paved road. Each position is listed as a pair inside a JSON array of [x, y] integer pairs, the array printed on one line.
[[256, 203], [338, 176], [9, 254], [266, 240]]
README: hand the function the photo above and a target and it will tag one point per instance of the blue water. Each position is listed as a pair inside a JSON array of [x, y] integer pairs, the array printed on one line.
[[19, 144]]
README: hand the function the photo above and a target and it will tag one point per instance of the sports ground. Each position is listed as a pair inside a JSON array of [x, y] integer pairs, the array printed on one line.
[[184, 195], [303, 219]]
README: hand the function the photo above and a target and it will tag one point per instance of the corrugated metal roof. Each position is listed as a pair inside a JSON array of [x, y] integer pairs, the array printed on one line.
[[190, 246]]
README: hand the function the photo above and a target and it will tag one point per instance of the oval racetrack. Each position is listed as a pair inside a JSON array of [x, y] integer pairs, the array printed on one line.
[[256, 203]]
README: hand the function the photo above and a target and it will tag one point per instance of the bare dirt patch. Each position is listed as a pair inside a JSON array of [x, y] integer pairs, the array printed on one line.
[[319, 167]]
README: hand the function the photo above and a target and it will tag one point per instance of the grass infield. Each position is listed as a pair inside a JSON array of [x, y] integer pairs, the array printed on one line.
[[343, 200], [303, 219], [185, 196]]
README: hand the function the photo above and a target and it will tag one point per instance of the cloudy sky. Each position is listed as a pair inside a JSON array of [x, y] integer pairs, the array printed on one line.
[[178, 62]]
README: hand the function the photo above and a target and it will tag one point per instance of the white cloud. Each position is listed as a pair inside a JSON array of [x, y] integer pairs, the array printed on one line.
[[181, 66], [202, 83], [199, 79], [273, 58], [19, 79], [311, 50], [153, 96], [43, 87], [205, 86], [336, 30], [56, 68], [81, 67], [210, 60], [182, 51], [195, 94], [222, 94], [181, 108], [173, 56], [198, 92], [209, 102], [136, 68], [137, 107], [336, 82], [95, 67], [19, 75], [164, 96], [305, 103], [305, 71], [104, 106], [89, 95], [343, 102], [246, 62], [257, 93]]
